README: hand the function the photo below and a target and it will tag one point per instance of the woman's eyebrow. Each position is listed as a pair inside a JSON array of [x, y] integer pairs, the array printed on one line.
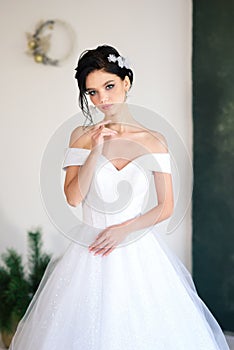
[[107, 82]]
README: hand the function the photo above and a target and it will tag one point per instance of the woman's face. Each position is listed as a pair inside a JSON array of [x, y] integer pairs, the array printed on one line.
[[106, 90]]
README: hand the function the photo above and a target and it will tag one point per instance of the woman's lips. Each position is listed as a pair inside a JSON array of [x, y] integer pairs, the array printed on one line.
[[106, 107]]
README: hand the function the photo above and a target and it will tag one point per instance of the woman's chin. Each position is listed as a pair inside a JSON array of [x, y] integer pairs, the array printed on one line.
[[111, 109]]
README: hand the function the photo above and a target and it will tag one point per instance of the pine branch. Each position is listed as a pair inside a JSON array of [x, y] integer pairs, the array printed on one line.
[[17, 287]]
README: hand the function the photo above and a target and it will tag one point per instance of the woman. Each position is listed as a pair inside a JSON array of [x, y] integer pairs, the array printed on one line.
[[116, 287]]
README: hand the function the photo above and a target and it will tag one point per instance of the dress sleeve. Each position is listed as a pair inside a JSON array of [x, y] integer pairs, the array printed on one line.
[[157, 162], [74, 156]]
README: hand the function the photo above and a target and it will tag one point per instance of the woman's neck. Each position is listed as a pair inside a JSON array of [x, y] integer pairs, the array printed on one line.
[[121, 121]]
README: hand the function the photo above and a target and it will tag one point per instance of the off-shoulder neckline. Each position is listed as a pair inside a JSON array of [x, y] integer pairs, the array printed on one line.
[[128, 164]]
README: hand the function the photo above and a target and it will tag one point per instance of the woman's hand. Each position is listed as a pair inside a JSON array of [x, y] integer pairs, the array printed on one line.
[[98, 132], [108, 239]]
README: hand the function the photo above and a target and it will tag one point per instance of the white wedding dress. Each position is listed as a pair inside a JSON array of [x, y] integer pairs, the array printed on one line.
[[139, 297]]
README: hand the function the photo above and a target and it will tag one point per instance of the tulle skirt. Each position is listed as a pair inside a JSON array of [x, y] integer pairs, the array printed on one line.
[[139, 297]]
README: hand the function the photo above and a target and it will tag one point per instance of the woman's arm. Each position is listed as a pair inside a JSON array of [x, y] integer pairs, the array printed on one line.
[[162, 211], [164, 190], [78, 178]]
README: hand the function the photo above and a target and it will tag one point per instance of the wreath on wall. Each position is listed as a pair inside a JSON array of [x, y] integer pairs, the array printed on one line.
[[40, 42]]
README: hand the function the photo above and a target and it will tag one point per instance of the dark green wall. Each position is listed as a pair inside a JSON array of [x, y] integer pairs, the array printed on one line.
[[213, 117]]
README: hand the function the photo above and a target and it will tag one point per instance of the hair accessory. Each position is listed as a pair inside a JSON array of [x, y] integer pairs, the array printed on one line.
[[122, 62]]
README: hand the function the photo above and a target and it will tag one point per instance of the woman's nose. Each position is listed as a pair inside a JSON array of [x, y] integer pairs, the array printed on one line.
[[103, 98]]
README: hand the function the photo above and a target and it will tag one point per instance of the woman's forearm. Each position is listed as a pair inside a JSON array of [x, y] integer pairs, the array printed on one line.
[[155, 215], [79, 186]]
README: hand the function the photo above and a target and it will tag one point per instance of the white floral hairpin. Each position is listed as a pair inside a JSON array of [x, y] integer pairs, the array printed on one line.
[[122, 62]]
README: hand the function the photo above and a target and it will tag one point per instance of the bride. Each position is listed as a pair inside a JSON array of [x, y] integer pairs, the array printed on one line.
[[116, 286]]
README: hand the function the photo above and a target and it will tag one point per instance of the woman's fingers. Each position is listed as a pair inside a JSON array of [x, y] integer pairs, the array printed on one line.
[[104, 132], [99, 135], [100, 239], [101, 242], [107, 249], [101, 245], [98, 243], [106, 241], [99, 131], [102, 123], [101, 126]]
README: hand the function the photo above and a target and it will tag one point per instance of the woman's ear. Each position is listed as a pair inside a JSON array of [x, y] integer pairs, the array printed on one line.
[[127, 83]]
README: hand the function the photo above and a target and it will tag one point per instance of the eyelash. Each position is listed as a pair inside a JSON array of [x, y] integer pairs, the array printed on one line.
[[93, 92], [110, 86]]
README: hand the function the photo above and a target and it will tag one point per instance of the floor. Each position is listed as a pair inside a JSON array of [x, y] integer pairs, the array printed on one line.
[[230, 340]]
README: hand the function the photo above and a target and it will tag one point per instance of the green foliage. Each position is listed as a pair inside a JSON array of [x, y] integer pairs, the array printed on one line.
[[37, 261], [18, 284]]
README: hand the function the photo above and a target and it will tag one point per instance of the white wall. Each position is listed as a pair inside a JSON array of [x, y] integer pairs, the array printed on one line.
[[37, 99]]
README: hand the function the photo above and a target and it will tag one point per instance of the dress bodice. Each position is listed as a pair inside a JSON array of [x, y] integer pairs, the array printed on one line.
[[117, 195]]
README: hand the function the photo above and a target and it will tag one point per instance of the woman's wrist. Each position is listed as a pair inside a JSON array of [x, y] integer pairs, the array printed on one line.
[[96, 151], [126, 226], [94, 154]]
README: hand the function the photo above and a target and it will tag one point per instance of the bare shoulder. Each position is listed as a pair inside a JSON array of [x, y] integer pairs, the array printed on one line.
[[156, 142], [153, 140], [79, 137]]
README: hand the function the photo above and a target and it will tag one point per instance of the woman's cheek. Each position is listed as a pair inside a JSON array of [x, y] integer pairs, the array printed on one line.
[[93, 99]]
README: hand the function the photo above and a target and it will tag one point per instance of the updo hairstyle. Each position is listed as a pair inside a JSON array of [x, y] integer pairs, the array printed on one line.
[[97, 59]]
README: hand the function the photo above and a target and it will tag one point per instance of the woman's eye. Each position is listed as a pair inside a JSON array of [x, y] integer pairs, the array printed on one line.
[[91, 92], [110, 86]]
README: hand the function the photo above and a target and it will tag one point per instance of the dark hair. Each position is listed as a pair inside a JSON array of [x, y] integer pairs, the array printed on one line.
[[96, 59]]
